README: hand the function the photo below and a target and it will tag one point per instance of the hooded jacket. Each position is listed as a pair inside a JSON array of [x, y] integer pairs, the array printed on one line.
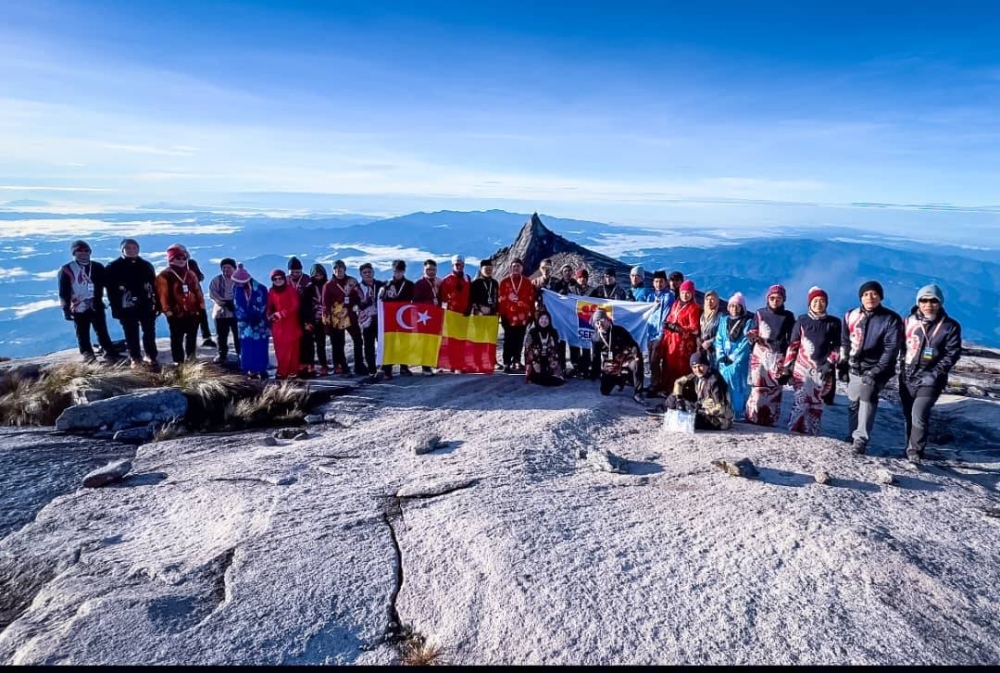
[[871, 341], [930, 350]]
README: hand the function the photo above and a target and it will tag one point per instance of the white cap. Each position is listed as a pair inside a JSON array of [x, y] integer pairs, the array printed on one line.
[[457, 258]]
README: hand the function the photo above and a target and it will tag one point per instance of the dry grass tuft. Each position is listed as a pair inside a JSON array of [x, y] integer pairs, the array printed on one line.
[[171, 430], [417, 651], [282, 403]]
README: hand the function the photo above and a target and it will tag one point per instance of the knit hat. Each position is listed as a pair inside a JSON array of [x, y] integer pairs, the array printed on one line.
[[687, 286], [78, 244], [816, 291], [317, 269], [339, 263], [599, 314], [931, 290], [485, 262], [241, 276], [175, 251], [566, 266], [366, 265], [662, 275], [227, 260], [399, 265], [637, 271], [516, 260], [127, 241], [455, 259], [278, 273], [582, 273], [777, 289], [700, 357], [738, 299], [611, 271], [294, 264], [871, 285]]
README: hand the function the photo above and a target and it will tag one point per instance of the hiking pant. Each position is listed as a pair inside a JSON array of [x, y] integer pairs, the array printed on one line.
[[83, 322], [368, 338], [223, 327], [861, 408], [206, 333], [313, 348], [183, 337], [917, 404], [131, 326], [338, 341], [513, 343]]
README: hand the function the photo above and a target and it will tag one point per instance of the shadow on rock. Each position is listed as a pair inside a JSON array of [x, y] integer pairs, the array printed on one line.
[[145, 479]]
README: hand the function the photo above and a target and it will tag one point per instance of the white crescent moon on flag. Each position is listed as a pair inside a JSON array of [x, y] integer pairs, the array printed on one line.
[[399, 317]]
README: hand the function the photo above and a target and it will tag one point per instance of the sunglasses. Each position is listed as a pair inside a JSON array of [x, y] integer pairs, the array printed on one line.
[[929, 300]]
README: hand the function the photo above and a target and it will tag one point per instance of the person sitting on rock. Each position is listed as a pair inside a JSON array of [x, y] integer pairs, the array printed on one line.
[[617, 355], [704, 393], [542, 362]]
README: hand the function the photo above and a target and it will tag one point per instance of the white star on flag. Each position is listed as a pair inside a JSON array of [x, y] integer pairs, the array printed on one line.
[[423, 317]]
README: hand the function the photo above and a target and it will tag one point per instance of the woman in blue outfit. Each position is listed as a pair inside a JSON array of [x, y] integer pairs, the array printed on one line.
[[732, 351], [250, 299]]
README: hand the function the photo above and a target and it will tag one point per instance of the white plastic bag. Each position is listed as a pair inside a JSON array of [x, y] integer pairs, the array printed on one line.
[[678, 421]]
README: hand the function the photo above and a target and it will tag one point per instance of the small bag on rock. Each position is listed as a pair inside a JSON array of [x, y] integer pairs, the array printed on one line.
[[675, 420]]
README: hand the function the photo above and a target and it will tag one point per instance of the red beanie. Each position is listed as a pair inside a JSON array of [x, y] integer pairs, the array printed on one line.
[[173, 251], [777, 289], [816, 291], [687, 286]]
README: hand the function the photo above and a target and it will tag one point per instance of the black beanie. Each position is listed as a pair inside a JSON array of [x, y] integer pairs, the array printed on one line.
[[871, 285], [227, 260], [662, 275], [700, 357], [294, 264]]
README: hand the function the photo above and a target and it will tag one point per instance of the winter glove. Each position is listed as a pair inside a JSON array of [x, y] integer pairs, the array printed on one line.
[[868, 379], [844, 371], [785, 376], [68, 316], [825, 368], [671, 327], [725, 360]]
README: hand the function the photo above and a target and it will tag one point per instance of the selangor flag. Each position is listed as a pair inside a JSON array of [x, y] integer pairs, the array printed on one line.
[[469, 343], [409, 334]]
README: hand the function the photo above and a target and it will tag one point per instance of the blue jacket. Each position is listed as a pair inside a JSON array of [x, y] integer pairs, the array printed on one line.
[[663, 301]]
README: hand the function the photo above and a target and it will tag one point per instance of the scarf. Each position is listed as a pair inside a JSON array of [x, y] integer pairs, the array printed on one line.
[[736, 326]]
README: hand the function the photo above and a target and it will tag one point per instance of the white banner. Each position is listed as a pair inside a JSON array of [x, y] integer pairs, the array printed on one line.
[[571, 315]]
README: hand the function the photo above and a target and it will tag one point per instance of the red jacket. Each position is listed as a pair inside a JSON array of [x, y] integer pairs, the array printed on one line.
[[684, 342], [170, 292], [283, 314], [455, 292], [426, 291], [517, 301], [340, 299]]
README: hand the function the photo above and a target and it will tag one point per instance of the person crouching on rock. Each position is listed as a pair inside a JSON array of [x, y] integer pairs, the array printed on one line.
[[703, 392], [932, 346], [250, 303], [618, 354], [810, 360], [541, 353], [286, 330], [182, 301]]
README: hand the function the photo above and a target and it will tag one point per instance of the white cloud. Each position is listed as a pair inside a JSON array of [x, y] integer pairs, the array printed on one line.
[[86, 226], [52, 188], [46, 275], [175, 151], [22, 310], [10, 274]]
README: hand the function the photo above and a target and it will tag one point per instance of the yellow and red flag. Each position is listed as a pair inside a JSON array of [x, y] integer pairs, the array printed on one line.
[[423, 334]]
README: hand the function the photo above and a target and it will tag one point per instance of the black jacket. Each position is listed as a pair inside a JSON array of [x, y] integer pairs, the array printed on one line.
[[616, 292], [98, 276], [774, 328], [822, 336], [484, 296], [131, 287], [870, 342], [397, 290], [943, 341]]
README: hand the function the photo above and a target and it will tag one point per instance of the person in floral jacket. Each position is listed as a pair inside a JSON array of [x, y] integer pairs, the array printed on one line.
[[541, 353], [517, 306], [250, 307], [341, 301]]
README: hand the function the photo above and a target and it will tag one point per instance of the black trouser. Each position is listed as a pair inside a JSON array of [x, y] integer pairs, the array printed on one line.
[[917, 404], [206, 333], [131, 326], [368, 337], [183, 337], [223, 328], [313, 346], [513, 343], [580, 357], [338, 340], [97, 319]]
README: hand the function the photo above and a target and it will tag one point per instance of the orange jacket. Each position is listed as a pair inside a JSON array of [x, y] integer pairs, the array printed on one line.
[[174, 301]]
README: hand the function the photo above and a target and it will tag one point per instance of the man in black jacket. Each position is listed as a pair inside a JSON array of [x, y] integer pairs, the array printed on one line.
[[931, 347], [81, 293], [369, 288], [869, 347], [610, 289], [397, 288], [132, 295]]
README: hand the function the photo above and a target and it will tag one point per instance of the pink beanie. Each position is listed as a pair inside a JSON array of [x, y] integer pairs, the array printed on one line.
[[687, 286], [738, 299]]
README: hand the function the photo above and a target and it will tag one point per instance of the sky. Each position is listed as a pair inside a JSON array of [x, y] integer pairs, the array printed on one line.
[[732, 113]]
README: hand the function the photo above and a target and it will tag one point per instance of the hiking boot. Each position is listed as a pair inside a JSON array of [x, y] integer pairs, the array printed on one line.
[[208, 343], [219, 360], [427, 371], [361, 370], [913, 456], [405, 371], [860, 447], [324, 371], [508, 369]]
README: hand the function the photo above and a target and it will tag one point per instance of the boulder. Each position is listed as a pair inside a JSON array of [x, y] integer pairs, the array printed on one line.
[[109, 474], [605, 461], [154, 405], [885, 477], [313, 419], [139, 435], [823, 477], [302, 436], [287, 433], [270, 441], [424, 443], [743, 467]]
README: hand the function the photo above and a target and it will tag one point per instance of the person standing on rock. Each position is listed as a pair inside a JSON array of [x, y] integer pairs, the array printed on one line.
[[81, 294], [770, 337], [610, 288], [580, 357], [674, 281], [702, 392], [296, 279], [250, 304], [617, 355], [427, 290], [398, 288], [732, 352], [542, 363], [456, 287], [812, 355], [220, 290], [484, 291], [680, 335], [340, 304], [638, 290], [662, 299], [206, 333], [313, 335], [182, 302], [931, 347], [517, 308], [132, 295], [286, 331], [368, 289], [869, 348], [709, 323]]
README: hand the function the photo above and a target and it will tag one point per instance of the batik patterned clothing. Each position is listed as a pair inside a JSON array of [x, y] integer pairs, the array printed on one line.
[[541, 357], [773, 330], [250, 301], [812, 356]]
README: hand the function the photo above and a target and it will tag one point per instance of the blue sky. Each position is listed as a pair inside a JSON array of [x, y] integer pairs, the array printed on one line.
[[731, 110]]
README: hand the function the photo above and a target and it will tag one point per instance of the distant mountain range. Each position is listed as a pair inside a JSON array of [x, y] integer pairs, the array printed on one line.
[[34, 244]]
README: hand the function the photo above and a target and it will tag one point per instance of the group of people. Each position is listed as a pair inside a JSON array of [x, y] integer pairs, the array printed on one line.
[[723, 365]]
